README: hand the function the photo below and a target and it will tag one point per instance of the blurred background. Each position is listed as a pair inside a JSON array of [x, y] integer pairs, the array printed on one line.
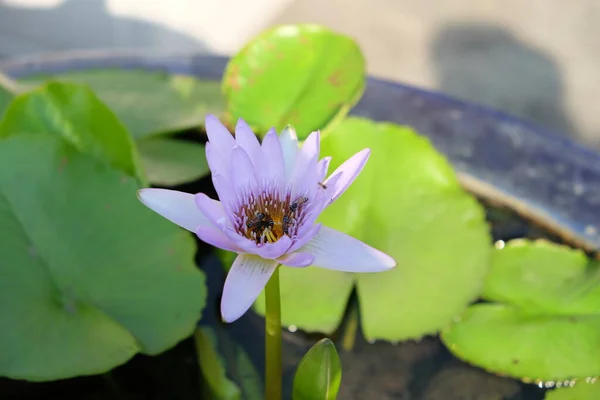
[[536, 59]]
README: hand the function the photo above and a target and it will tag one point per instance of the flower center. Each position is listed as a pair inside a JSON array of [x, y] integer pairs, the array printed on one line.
[[266, 218]]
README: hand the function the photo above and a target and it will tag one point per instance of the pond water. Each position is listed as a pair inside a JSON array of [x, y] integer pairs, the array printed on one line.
[[409, 370]]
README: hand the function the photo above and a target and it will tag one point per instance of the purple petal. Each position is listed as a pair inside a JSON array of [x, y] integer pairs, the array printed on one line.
[[177, 207], [247, 140], [331, 185], [307, 156], [246, 279], [306, 234], [247, 245], [226, 194], [211, 209], [304, 175], [219, 136], [348, 171], [311, 146], [338, 251], [289, 146], [322, 167], [273, 156], [274, 250], [215, 237], [216, 162], [297, 259], [243, 175]]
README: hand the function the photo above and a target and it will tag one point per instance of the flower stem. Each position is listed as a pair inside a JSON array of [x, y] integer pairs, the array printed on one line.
[[273, 370]]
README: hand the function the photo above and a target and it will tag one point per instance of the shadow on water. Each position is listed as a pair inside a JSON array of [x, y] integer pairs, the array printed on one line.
[[489, 65], [82, 24]]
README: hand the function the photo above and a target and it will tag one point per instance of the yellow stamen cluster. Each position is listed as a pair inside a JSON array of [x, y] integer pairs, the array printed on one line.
[[266, 219]]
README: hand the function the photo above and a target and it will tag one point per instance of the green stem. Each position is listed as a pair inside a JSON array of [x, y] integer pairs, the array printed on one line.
[[273, 370], [349, 336]]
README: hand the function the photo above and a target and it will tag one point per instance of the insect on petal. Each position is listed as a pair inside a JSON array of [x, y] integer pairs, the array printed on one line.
[[348, 172]]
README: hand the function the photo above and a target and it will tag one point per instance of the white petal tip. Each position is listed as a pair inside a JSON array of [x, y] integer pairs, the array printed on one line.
[[389, 263], [152, 198], [141, 194], [232, 314], [290, 131], [228, 319], [178, 207], [211, 117], [381, 263], [337, 251]]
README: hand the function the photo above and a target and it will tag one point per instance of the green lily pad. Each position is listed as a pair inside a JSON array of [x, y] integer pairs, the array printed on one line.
[[580, 391], [74, 112], [544, 277], [530, 346], [89, 276], [408, 203], [319, 373], [148, 102], [304, 75], [546, 322], [171, 162]]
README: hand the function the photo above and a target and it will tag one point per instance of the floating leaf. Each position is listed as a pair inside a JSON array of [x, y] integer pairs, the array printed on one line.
[[74, 112], [548, 325], [304, 75], [407, 202], [544, 277], [89, 276], [581, 391], [511, 341], [319, 373], [151, 103], [171, 162]]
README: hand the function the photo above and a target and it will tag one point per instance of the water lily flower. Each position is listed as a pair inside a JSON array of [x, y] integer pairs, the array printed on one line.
[[270, 198]]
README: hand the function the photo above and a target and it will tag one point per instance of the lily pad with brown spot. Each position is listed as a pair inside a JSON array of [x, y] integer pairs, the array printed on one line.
[[304, 75]]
